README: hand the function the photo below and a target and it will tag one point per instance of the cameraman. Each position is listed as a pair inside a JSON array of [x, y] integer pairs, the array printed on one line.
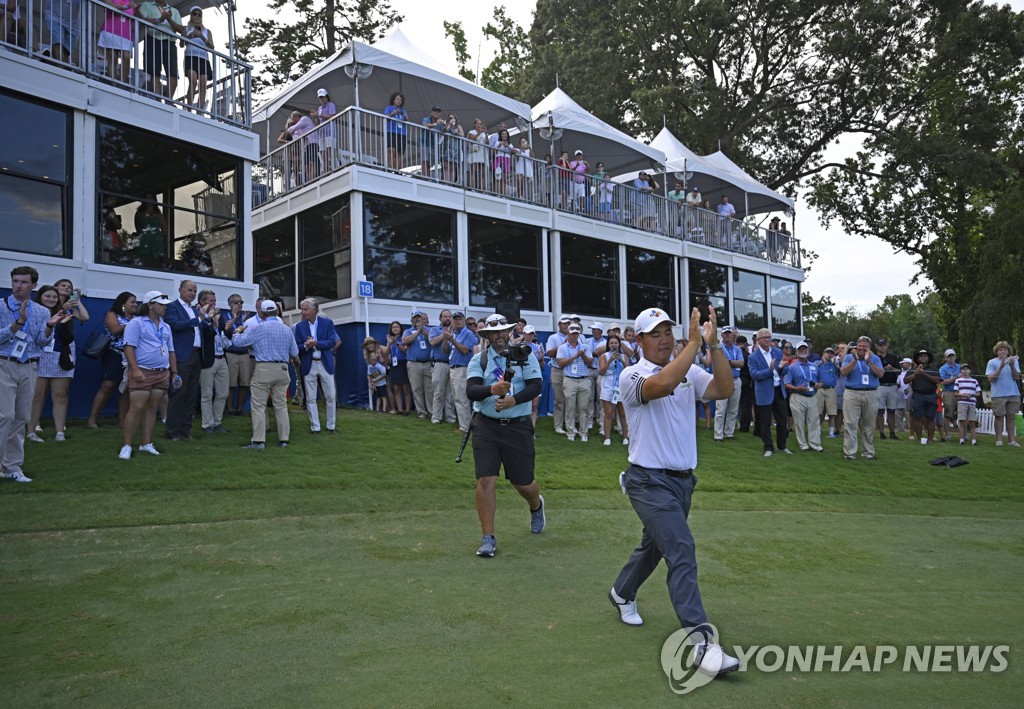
[[502, 385]]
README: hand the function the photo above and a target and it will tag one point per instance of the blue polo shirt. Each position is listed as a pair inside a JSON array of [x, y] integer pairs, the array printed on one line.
[[466, 338], [152, 342], [861, 377], [949, 370], [828, 372], [802, 374], [733, 352], [419, 349], [437, 353], [495, 372]]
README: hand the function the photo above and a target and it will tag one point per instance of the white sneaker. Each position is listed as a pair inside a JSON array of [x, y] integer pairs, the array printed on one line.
[[626, 609], [767, 454], [18, 476], [149, 448], [583, 438], [924, 441], [126, 453], [787, 451], [999, 442], [713, 660], [560, 430], [34, 438], [59, 436], [571, 436], [625, 441], [607, 441], [1015, 444]]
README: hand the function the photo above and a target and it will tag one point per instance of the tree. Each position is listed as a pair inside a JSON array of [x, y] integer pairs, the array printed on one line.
[[457, 34], [814, 311], [505, 72], [283, 52]]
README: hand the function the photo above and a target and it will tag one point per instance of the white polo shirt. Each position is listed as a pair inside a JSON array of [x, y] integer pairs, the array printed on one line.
[[663, 432]]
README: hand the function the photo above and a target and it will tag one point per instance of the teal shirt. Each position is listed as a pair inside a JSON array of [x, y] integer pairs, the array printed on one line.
[[494, 373]]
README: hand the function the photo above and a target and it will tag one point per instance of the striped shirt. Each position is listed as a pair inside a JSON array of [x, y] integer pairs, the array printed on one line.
[[966, 389], [271, 340], [34, 330]]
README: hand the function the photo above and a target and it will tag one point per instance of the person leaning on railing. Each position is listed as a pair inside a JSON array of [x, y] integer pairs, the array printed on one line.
[[451, 149]]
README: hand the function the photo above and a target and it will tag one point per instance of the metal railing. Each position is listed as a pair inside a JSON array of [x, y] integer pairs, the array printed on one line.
[[357, 136], [100, 41]]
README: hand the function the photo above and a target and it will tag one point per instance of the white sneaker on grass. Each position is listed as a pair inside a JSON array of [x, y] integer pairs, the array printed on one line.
[[713, 661], [149, 448], [34, 437], [126, 453], [607, 441], [17, 476], [626, 609]]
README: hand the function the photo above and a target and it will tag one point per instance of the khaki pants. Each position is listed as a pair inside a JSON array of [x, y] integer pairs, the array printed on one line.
[[557, 376], [463, 408], [317, 372], [859, 409], [270, 379], [422, 387], [17, 387], [577, 404], [213, 383], [806, 423], [440, 382], [726, 411]]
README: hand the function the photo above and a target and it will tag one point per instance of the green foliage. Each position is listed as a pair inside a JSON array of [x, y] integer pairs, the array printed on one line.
[[506, 72], [457, 34], [908, 325], [283, 52]]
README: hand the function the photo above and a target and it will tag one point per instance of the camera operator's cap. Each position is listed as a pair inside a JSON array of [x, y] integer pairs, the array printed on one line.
[[268, 306], [529, 328], [458, 314], [597, 325], [949, 352], [650, 319], [564, 318], [320, 93], [495, 323], [575, 327], [155, 296], [802, 344], [906, 360]]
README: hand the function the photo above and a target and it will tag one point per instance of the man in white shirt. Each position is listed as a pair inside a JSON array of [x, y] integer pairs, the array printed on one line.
[[660, 395]]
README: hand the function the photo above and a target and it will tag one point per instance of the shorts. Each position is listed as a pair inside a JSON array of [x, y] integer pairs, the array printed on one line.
[[398, 374], [889, 397], [1005, 405], [161, 54], [579, 190], [604, 207], [312, 153], [949, 405], [240, 369], [396, 142], [925, 405], [827, 402], [113, 366], [154, 379], [967, 412], [62, 30], [510, 446], [199, 65]]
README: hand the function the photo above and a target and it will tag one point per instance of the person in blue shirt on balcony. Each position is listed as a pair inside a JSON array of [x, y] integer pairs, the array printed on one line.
[[396, 129], [327, 132], [429, 137]]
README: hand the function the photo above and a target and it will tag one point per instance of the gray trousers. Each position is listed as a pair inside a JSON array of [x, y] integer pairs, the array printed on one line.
[[663, 503]]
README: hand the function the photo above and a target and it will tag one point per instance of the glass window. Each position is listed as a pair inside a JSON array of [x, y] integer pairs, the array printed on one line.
[[590, 276], [709, 286], [649, 280], [167, 205], [504, 263], [785, 305], [325, 237], [410, 251], [35, 176], [749, 300], [274, 256]]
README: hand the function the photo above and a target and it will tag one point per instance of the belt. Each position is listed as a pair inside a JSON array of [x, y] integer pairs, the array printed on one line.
[[825, 387], [458, 366], [669, 473], [585, 377], [218, 356], [158, 369], [861, 389], [272, 361], [439, 361], [18, 361], [505, 421]]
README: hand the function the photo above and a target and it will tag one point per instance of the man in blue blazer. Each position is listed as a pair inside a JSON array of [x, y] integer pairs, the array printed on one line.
[[317, 340], [186, 322], [767, 371]]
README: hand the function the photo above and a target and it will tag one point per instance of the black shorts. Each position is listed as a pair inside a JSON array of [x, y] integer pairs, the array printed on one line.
[[396, 141], [510, 446], [397, 373], [161, 54], [925, 405], [199, 65], [113, 370]]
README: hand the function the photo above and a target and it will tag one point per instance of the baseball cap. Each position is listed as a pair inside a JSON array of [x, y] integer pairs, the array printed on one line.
[[802, 343], [417, 312], [728, 328], [882, 341], [578, 152], [575, 327], [906, 360], [268, 306], [529, 328], [650, 319], [321, 92], [614, 326], [436, 108], [949, 352], [155, 296], [597, 325], [564, 318], [458, 314], [829, 349], [574, 316]]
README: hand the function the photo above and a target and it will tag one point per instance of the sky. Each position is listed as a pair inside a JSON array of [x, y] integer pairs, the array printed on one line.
[[877, 272]]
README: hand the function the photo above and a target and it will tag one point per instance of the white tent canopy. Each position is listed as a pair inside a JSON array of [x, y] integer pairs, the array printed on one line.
[[673, 148], [395, 64], [584, 131]]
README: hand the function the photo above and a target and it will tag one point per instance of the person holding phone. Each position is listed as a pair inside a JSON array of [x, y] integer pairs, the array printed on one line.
[[1004, 373], [861, 370], [198, 42]]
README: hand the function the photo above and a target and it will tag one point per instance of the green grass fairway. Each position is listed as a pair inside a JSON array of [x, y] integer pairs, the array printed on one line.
[[341, 572]]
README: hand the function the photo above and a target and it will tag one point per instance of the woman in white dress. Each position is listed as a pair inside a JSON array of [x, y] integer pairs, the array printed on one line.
[[524, 169], [612, 362], [477, 154]]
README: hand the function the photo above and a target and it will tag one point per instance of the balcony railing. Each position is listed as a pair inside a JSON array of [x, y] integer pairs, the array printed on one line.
[[360, 137], [97, 40]]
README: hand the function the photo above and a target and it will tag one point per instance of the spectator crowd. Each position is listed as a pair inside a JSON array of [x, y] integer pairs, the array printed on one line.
[[176, 359]]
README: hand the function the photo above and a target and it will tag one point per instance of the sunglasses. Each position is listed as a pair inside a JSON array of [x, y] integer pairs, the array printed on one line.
[[503, 321]]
